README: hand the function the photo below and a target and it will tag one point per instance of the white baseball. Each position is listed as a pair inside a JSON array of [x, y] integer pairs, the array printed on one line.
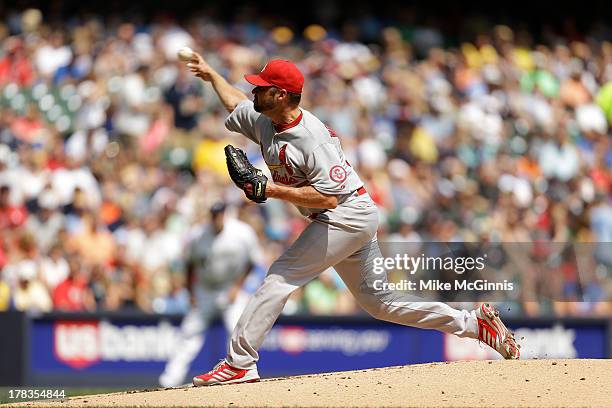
[[185, 54]]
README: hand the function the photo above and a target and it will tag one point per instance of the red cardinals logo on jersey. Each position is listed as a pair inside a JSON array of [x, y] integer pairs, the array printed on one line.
[[282, 158], [286, 178]]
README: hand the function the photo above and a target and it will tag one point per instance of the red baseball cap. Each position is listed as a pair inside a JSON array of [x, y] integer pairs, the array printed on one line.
[[281, 74]]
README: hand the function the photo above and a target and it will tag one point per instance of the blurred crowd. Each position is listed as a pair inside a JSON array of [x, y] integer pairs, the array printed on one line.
[[111, 152]]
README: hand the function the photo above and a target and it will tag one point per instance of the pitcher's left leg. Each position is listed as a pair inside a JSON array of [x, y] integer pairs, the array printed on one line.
[[483, 324]]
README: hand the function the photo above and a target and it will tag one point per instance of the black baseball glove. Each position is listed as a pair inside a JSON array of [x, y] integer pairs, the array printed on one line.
[[242, 173]]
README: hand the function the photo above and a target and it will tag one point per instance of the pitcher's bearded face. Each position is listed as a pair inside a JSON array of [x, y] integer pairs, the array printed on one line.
[[264, 98]]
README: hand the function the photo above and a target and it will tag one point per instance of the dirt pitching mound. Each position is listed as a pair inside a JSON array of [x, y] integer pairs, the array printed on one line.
[[531, 383]]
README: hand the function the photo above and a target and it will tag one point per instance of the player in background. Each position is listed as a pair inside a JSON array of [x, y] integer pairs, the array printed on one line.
[[309, 170], [219, 257]]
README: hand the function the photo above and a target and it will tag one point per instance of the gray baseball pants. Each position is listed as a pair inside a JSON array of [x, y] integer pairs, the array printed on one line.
[[345, 240]]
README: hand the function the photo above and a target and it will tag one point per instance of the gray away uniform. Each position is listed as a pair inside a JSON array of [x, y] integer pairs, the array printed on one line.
[[344, 237]]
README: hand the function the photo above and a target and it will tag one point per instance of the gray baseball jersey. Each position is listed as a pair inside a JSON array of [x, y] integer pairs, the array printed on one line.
[[222, 258], [301, 153]]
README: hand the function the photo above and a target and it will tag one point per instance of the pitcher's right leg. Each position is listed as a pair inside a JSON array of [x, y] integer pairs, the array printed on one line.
[[256, 320], [319, 246]]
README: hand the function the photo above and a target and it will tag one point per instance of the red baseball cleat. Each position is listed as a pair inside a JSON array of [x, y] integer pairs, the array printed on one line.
[[223, 373], [493, 332]]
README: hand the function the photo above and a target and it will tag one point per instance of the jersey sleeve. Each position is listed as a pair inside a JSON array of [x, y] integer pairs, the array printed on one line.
[[242, 120], [325, 169]]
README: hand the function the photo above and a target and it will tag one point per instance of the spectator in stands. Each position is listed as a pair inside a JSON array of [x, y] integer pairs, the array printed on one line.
[[54, 267], [11, 216], [46, 223], [31, 294], [94, 244], [15, 65], [128, 288], [74, 293], [53, 54]]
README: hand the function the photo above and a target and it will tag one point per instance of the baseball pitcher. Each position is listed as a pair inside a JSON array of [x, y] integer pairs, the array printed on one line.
[[309, 170]]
